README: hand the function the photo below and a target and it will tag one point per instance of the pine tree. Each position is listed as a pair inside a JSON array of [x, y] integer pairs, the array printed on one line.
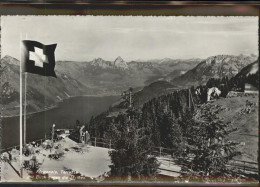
[[131, 156], [148, 121], [208, 142], [174, 135]]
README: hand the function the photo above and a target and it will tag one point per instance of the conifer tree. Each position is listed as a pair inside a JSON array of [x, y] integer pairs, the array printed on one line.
[[207, 141], [132, 148]]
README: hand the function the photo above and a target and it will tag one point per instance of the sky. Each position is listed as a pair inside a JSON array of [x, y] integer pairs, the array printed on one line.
[[83, 38]]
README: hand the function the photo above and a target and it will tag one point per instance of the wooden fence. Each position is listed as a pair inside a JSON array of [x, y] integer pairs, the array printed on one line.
[[245, 166], [101, 142], [242, 165]]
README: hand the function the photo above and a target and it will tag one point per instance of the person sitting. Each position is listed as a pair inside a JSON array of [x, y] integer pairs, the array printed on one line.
[[33, 144], [26, 151]]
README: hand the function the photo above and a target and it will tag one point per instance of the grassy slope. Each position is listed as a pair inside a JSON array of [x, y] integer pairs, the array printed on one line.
[[247, 124]]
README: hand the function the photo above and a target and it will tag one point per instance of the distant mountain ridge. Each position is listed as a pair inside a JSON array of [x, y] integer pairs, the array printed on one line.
[[214, 67], [117, 63], [77, 78], [206, 69], [42, 92], [112, 77], [101, 63]]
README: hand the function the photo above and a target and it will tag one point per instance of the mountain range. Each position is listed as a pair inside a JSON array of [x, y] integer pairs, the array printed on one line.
[[97, 77], [101, 77], [119, 63], [214, 67]]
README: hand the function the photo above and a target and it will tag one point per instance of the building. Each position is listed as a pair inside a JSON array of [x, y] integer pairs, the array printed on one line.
[[250, 89]]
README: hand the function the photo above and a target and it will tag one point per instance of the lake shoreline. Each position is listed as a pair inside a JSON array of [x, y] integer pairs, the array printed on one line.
[[64, 115], [57, 103]]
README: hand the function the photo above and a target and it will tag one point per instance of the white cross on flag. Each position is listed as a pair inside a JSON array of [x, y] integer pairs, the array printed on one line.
[[38, 58]]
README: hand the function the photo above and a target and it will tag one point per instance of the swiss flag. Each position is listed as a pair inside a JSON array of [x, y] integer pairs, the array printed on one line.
[[38, 58]]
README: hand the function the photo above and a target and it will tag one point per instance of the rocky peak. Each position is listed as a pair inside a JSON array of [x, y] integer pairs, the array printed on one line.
[[219, 59], [97, 61], [215, 67], [120, 63], [100, 62], [10, 60], [215, 59]]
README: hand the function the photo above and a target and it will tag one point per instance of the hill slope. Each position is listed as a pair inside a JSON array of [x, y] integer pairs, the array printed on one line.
[[250, 69], [41, 91], [246, 122], [151, 91], [213, 67]]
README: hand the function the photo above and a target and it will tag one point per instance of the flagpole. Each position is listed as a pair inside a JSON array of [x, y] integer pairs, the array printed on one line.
[[21, 111], [25, 102]]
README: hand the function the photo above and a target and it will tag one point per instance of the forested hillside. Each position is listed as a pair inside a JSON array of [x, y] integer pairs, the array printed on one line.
[[164, 117]]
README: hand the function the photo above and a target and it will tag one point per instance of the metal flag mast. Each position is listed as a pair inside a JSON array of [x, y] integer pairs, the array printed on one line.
[[21, 111], [25, 103], [22, 129]]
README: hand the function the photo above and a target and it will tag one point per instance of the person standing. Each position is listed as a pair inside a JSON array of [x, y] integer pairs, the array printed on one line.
[[87, 137]]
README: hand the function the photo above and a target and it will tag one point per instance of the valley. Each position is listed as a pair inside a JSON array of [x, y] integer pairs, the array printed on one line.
[[98, 77]]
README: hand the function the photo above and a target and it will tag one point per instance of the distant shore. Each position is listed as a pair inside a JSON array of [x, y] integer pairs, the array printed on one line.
[[56, 104]]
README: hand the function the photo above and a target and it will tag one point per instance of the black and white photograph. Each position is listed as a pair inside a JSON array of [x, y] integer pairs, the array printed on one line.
[[129, 99]]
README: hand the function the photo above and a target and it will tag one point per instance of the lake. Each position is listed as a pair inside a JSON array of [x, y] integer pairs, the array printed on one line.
[[63, 116]]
